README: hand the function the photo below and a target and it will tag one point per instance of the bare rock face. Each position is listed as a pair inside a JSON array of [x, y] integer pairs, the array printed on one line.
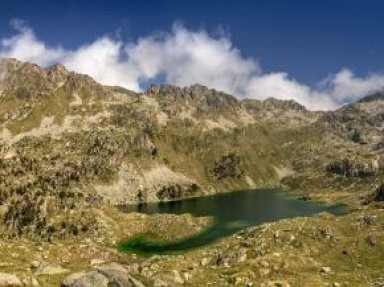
[[227, 167], [349, 168], [107, 275], [159, 183]]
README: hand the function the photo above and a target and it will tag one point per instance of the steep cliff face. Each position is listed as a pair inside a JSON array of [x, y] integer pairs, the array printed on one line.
[[69, 143]]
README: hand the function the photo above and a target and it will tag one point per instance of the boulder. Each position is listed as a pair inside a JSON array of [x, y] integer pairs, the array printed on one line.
[[204, 261], [91, 279], [9, 280], [111, 274]]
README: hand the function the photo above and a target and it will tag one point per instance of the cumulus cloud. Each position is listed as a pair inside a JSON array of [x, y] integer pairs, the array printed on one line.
[[184, 57], [345, 86], [103, 60], [25, 46]]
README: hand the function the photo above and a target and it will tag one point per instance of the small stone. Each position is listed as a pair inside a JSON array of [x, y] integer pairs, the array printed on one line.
[[186, 276], [276, 234], [94, 262], [177, 277], [204, 262], [326, 270], [264, 271], [336, 284], [242, 258], [159, 283], [370, 240], [280, 284]]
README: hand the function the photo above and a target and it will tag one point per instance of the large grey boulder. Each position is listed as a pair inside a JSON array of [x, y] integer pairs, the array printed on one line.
[[91, 279], [107, 275]]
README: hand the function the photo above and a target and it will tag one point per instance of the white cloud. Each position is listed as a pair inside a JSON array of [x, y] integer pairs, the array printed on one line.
[[345, 86], [279, 85], [186, 57], [26, 47], [102, 60]]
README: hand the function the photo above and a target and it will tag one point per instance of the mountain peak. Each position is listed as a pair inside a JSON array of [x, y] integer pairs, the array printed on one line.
[[57, 68]]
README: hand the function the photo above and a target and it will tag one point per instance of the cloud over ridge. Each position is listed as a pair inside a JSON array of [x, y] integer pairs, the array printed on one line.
[[186, 57]]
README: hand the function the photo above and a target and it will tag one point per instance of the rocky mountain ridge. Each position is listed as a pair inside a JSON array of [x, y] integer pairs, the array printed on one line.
[[71, 149], [66, 140]]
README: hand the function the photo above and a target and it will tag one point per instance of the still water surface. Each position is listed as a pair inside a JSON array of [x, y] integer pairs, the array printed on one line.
[[230, 211]]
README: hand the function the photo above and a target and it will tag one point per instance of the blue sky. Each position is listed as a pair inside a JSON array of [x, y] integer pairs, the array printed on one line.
[[308, 41]]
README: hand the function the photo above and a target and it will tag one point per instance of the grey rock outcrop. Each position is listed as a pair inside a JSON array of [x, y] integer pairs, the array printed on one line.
[[349, 168]]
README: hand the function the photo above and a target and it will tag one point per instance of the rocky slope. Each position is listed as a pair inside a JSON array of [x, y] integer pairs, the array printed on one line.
[[71, 148], [69, 143]]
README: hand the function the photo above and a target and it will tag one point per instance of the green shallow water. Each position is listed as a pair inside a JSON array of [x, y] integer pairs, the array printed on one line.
[[231, 212]]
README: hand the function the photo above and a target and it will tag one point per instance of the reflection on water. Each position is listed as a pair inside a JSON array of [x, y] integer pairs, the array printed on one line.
[[231, 212]]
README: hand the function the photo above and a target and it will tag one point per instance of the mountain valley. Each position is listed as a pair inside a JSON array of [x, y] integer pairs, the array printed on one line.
[[72, 150]]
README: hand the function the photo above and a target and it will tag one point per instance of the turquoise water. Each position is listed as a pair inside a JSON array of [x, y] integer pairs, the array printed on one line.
[[231, 212]]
